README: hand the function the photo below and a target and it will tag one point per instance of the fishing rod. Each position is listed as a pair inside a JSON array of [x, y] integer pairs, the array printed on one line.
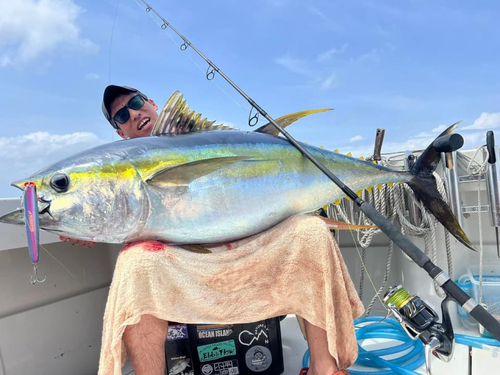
[[453, 291]]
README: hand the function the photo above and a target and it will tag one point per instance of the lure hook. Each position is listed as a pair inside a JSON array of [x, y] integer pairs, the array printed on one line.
[[253, 120], [164, 26], [148, 9], [34, 278], [210, 73]]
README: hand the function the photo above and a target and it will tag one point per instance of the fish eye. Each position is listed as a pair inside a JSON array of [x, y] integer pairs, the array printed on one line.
[[59, 182]]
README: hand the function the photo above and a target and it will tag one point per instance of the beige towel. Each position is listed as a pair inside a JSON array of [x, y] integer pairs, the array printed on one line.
[[293, 268]]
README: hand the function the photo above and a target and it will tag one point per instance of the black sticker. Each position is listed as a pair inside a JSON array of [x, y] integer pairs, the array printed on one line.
[[221, 368], [214, 331], [181, 366]]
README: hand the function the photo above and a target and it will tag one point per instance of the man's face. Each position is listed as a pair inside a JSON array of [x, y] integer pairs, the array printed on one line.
[[141, 121]]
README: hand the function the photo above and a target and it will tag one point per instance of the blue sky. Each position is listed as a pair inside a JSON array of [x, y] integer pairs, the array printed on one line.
[[411, 67]]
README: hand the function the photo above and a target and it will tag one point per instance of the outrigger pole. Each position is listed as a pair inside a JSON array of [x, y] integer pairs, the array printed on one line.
[[452, 290]]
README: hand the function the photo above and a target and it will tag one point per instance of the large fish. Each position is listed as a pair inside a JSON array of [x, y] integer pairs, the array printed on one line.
[[206, 186]]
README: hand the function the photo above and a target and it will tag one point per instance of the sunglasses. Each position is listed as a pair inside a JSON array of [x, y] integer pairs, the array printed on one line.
[[123, 115]]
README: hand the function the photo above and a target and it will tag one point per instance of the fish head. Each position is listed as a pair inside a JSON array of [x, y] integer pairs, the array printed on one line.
[[92, 198]]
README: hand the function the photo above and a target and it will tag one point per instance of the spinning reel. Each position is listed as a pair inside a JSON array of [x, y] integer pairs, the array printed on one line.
[[421, 322]]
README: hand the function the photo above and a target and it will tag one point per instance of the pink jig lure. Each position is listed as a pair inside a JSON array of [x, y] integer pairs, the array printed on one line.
[[32, 226]]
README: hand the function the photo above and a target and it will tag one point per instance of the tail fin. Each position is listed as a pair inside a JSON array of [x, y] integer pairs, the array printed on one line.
[[425, 188]]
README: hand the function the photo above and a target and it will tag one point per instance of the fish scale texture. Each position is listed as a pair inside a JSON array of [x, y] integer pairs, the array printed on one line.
[[293, 268]]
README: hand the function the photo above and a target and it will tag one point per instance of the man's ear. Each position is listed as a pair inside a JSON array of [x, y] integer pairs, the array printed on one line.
[[153, 104], [121, 133]]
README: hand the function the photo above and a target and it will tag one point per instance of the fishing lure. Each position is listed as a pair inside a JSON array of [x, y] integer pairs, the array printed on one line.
[[32, 227]]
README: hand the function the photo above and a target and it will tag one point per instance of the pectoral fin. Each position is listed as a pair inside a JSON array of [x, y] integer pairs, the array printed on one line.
[[286, 120], [200, 249], [182, 175]]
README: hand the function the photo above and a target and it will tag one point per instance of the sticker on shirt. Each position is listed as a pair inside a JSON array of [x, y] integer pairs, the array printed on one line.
[[214, 331], [258, 358], [221, 368], [259, 335], [216, 350], [181, 366], [177, 332]]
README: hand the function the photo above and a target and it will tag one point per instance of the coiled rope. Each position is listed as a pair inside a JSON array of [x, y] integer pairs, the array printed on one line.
[[390, 202]]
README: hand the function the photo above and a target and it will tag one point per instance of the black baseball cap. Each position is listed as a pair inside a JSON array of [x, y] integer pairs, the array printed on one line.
[[110, 94]]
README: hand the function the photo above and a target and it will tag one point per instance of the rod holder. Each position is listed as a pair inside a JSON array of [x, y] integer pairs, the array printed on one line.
[[493, 190], [414, 213], [451, 177], [379, 140]]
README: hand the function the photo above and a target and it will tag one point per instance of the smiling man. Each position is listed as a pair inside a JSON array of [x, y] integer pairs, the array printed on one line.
[[133, 115], [129, 111]]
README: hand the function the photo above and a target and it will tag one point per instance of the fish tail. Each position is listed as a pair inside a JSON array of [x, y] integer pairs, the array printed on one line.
[[424, 185]]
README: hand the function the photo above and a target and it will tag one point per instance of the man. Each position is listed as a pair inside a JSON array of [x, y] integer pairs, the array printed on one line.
[[132, 114]]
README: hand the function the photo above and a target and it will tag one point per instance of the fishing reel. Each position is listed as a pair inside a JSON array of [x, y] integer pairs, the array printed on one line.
[[421, 322]]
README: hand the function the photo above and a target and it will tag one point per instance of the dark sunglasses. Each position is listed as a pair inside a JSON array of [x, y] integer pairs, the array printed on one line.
[[123, 115]]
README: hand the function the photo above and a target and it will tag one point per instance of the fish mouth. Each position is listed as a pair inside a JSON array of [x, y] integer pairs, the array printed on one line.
[[17, 216]]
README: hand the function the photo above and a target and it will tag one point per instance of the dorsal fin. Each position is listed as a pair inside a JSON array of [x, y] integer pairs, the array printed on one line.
[[177, 118], [286, 120]]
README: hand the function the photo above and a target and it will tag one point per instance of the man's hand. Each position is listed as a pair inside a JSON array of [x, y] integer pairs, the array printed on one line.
[[72, 241]]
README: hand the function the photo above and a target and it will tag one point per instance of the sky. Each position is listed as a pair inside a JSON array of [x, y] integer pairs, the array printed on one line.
[[411, 67]]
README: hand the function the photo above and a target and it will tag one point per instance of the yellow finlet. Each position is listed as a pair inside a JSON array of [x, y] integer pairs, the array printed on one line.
[[349, 154], [321, 147], [337, 202], [391, 184], [336, 151], [369, 189], [379, 186], [359, 192], [361, 158]]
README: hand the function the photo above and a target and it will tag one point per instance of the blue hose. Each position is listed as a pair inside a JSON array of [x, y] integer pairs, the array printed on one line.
[[388, 329], [405, 364], [476, 342]]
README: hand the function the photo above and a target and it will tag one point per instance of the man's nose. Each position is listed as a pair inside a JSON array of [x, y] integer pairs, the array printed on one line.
[[134, 113]]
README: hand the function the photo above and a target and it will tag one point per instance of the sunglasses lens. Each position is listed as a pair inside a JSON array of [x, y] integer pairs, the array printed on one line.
[[122, 116], [136, 102]]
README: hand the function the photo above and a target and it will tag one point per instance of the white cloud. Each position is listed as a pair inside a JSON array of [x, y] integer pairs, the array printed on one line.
[[433, 132], [319, 13], [329, 82], [92, 76], [471, 142], [23, 155], [294, 65], [30, 28], [41, 144], [485, 121], [325, 56], [356, 138], [372, 56]]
